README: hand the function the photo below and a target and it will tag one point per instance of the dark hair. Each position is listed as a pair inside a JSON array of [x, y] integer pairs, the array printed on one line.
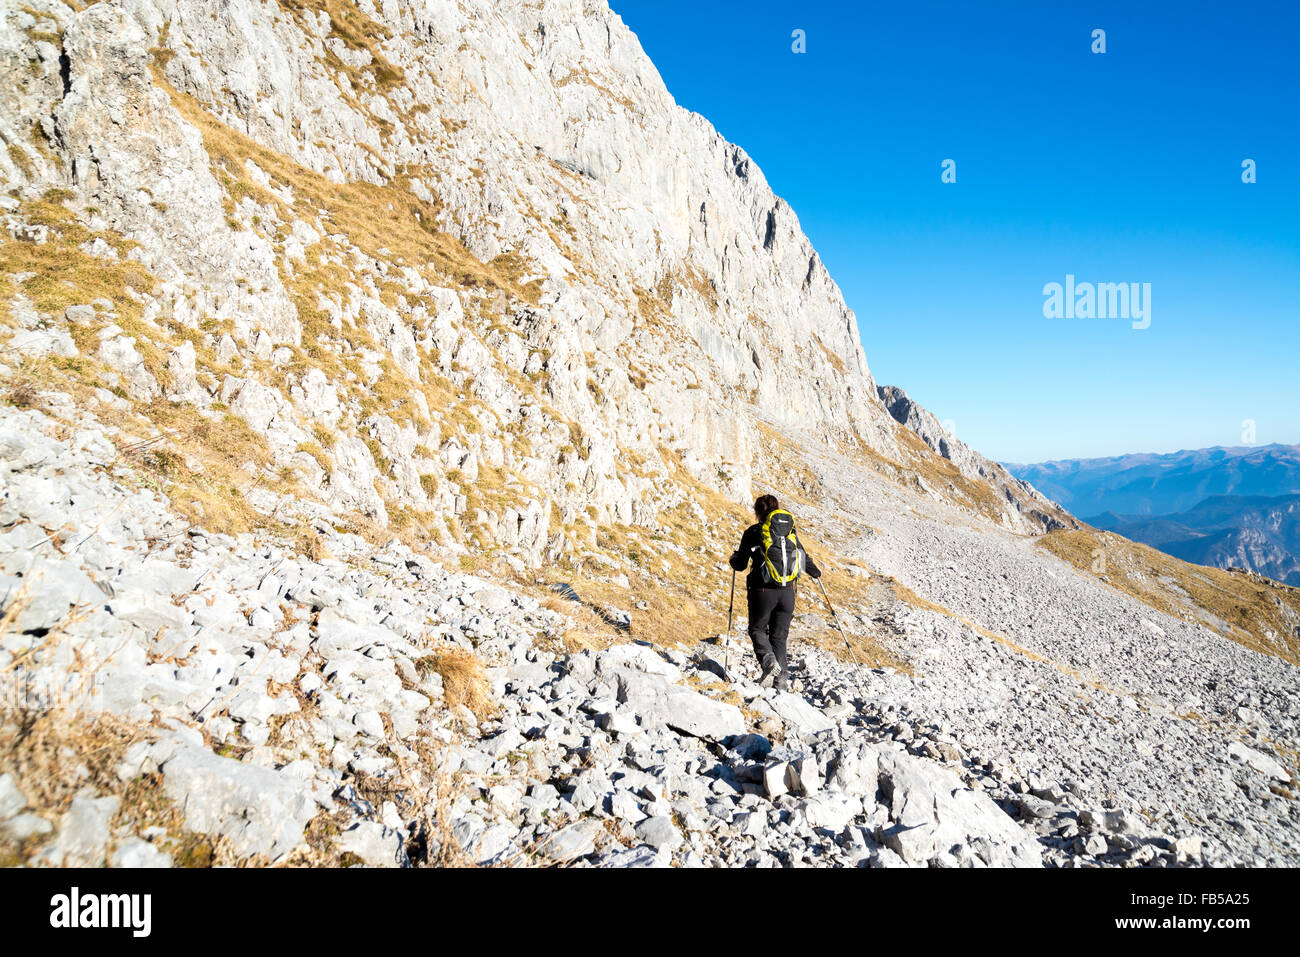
[[765, 505]]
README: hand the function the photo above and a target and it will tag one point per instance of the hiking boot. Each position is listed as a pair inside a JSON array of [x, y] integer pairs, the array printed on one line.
[[782, 681], [770, 670]]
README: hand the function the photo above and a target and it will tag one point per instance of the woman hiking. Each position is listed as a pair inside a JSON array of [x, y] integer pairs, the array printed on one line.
[[778, 558]]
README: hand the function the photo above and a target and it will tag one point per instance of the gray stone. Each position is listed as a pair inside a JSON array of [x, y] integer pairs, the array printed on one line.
[[84, 832], [369, 723], [54, 588], [618, 722], [660, 832], [11, 799], [743, 295], [624, 806], [712, 665], [799, 714], [692, 713], [855, 771], [571, 842], [638, 658], [375, 844], [830, 810], [496, 846], [20, 827], [1259, 761], [467, 831], [1035, 808], [751, 747], [932, 811], [776, 777], [803, 775], [642, 855], [259, 810], [41, 342], [135, 852]]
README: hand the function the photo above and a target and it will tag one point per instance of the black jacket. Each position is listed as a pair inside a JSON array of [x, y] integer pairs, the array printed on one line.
[[751, 547]]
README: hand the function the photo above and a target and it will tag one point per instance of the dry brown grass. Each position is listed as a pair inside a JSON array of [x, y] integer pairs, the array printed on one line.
[[836, 362], [201, 459], [58, 273], [944, 477], [678, 613], [678, 584], [205, 461], [654, 306], [58, 752], [358, 32], [23, 395], [463, 679], [868, 649], [588, 630], [585, 76], [53, 755], [1260, 614], [919, 468], [438, 821], [407, 232], [310, 544], [578, 640]]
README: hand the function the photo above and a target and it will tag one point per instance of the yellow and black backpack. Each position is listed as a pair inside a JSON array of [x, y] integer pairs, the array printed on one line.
[[782, 557]]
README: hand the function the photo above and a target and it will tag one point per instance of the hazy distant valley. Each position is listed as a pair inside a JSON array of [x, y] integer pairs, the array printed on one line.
[[1224, 507]]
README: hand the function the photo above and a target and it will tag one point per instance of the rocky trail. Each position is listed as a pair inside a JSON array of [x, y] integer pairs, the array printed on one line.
[[1025, 657]]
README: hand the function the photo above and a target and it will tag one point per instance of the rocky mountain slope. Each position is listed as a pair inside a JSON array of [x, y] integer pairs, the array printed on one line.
[[335, 333], [242, 702]]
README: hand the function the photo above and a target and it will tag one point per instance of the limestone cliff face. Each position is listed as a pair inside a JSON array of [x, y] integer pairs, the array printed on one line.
[[466, 261]]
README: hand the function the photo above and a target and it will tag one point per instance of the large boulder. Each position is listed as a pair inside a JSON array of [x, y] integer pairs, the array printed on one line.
[[638, 658], [84, 833], [933, 813], [799, 714], [260, 811], [692, 713], [571, 842], [372, 842], [1259, 761]]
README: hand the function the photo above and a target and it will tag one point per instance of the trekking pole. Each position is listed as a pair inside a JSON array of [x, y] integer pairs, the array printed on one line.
[[837, 622], [726, 653]]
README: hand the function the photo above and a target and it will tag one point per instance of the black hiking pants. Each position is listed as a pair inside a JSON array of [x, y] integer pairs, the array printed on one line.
[[770, 611]]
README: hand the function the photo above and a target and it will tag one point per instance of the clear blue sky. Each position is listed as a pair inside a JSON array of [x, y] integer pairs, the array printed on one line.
[[1115, 167]]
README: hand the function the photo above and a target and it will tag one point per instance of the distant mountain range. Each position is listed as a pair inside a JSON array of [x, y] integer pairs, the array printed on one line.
[[1220, 506], [1149, 485]]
